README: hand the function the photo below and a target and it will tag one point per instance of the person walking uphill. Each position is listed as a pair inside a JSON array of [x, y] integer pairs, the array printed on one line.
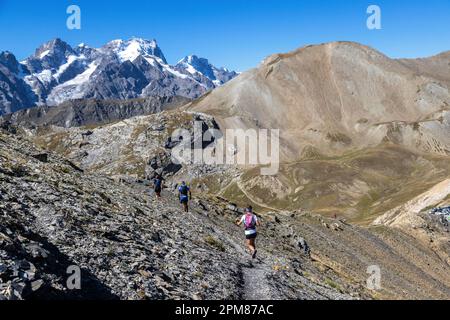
[[158, 181], [250, 222], [185, 194]]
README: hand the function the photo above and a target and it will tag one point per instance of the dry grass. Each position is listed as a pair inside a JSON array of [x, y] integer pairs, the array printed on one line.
[[359, 185], [213, 242]]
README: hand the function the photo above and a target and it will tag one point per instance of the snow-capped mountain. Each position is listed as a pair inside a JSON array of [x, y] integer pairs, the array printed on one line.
[[131, 49], [121, 69], [14, 92], [200, 68]]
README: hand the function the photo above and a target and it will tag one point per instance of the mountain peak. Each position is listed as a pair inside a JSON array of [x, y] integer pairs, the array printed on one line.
[[52, 47], [6, 55], [135, 47], [193, 59], [200, 66], [9, 61], [194, 64], [120, 69]]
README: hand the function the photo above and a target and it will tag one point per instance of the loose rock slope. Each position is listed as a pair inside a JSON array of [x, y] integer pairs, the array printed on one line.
[[127, 244]]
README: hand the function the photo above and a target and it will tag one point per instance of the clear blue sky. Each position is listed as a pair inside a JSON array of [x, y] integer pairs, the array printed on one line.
[[234, 33]]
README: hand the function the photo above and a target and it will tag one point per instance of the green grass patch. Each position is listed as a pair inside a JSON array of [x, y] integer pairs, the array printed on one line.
[[213, 242], [332, 284]]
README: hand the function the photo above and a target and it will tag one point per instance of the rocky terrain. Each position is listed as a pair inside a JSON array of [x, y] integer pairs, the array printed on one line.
[[77, 113], [128, 244], [360, 133], [14, 91], [355, 189], [131, 246], [358, 185], [417, 219], [121, 69], [136, 147]]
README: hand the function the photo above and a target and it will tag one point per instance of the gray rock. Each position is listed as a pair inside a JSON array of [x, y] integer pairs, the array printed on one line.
[[79, 113], [43, 157], [127, 244], [36, 285]]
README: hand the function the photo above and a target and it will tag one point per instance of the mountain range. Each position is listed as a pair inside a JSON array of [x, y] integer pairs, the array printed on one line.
[[121, 69]]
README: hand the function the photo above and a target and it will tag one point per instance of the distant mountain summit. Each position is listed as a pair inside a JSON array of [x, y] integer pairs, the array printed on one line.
[[133, 48], [121, 69], [198, 67], [338, 97], [15, 93]]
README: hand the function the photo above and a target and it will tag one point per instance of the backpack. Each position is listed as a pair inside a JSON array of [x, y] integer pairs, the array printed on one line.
[[158, 183], [249, 221], [184, 190]]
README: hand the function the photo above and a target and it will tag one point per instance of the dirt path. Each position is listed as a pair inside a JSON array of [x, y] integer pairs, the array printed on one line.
[[238, 183], [255, 272], [256, 285]]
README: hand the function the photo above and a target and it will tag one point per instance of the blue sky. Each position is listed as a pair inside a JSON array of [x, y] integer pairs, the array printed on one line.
[[233, 33]]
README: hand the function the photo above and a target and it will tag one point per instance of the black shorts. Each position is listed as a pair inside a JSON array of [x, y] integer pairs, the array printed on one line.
[[251, 236], [158, 190]]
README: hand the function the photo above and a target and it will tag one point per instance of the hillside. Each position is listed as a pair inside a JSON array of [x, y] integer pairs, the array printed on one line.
[[79, 113], [334, 98], [360, 133], [131, 246]]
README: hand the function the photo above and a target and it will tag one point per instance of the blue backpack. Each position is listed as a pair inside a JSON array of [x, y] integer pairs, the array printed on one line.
[[184, 190]]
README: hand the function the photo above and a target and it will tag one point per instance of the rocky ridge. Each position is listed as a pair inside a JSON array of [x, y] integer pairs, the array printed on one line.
[[78, 113], [80, 196]]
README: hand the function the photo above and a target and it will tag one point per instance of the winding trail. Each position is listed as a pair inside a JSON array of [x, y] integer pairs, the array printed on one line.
[[254, 279], [250, 197], [255, 272]]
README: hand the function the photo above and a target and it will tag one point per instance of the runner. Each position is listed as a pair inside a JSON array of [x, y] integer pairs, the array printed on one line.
[[185, 194], [158, 184], [250, 222]]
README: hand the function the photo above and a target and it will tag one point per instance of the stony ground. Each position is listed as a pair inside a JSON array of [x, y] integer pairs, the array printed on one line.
[[130, 245]]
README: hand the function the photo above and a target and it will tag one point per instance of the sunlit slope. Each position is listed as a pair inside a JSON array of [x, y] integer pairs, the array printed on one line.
[[337, 97]]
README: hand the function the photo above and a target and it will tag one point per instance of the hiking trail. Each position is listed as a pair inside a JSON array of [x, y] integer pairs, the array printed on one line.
[[254, 277]]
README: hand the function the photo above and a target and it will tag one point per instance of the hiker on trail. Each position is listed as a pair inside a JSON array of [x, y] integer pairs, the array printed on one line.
[[250, 222], [185, 194], [158, 182]]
